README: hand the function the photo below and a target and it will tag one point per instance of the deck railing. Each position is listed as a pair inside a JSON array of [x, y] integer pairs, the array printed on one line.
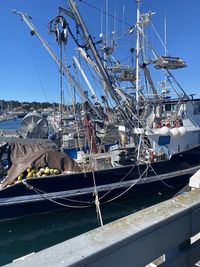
[[164, 232]]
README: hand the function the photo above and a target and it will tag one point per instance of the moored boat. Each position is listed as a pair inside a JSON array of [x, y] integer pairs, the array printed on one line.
[[156, 141], [77, 189]]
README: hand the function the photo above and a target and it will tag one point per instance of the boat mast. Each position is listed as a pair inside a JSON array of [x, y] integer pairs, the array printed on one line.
[[165, 42], [90, 44], [137, 57], [105, 54]]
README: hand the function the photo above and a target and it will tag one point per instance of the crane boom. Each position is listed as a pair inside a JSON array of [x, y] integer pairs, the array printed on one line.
[[33, 29]]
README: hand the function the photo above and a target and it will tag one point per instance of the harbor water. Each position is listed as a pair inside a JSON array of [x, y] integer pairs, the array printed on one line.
[[10, 124], [31, 234]]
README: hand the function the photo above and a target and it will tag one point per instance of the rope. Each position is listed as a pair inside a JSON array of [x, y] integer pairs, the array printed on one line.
[[97, 203], [116, 197], [41, 193], [75, 39], [119, 182], [160, 178], [141, 175]]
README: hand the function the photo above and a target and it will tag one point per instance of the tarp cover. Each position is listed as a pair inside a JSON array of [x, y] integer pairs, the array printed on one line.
[[23, 156]]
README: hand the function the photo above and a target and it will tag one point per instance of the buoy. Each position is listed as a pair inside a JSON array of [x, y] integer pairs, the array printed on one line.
[[164, 130], [174, 131], [182, 130]]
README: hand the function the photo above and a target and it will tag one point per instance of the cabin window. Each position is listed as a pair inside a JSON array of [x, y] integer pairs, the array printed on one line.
[[164, 140], [168, 107], [196, 108]]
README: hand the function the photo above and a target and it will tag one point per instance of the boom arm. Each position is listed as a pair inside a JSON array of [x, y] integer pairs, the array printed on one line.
[[33, 29]]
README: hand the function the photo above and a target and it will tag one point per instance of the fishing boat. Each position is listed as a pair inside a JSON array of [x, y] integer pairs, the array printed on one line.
[[81, 189], [155, 144]]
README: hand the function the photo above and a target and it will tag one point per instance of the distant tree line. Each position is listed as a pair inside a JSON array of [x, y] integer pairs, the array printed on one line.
[[27, 106]]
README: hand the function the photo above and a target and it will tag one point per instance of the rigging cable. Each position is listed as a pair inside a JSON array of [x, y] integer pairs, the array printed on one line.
[[36, 66], [105, 13], [75, 39], [61, 84], [74, 107], [135, 182]]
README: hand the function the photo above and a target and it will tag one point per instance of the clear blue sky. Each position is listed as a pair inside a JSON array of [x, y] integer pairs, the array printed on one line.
[[27, 73]]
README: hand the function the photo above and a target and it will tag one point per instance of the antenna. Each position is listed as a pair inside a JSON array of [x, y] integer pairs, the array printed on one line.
[[165, 43], [101, 32], [123, 17], [165, 36], [115, 19], [106, 22]]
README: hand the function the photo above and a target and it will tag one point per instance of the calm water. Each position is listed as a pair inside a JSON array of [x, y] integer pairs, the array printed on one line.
[[10, 124], [31, 234]]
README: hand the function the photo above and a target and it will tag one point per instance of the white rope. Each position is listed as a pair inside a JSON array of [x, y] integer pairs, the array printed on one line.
[[136, 181], [119, 182], [52, 200], [97, 203], [160, 178]]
